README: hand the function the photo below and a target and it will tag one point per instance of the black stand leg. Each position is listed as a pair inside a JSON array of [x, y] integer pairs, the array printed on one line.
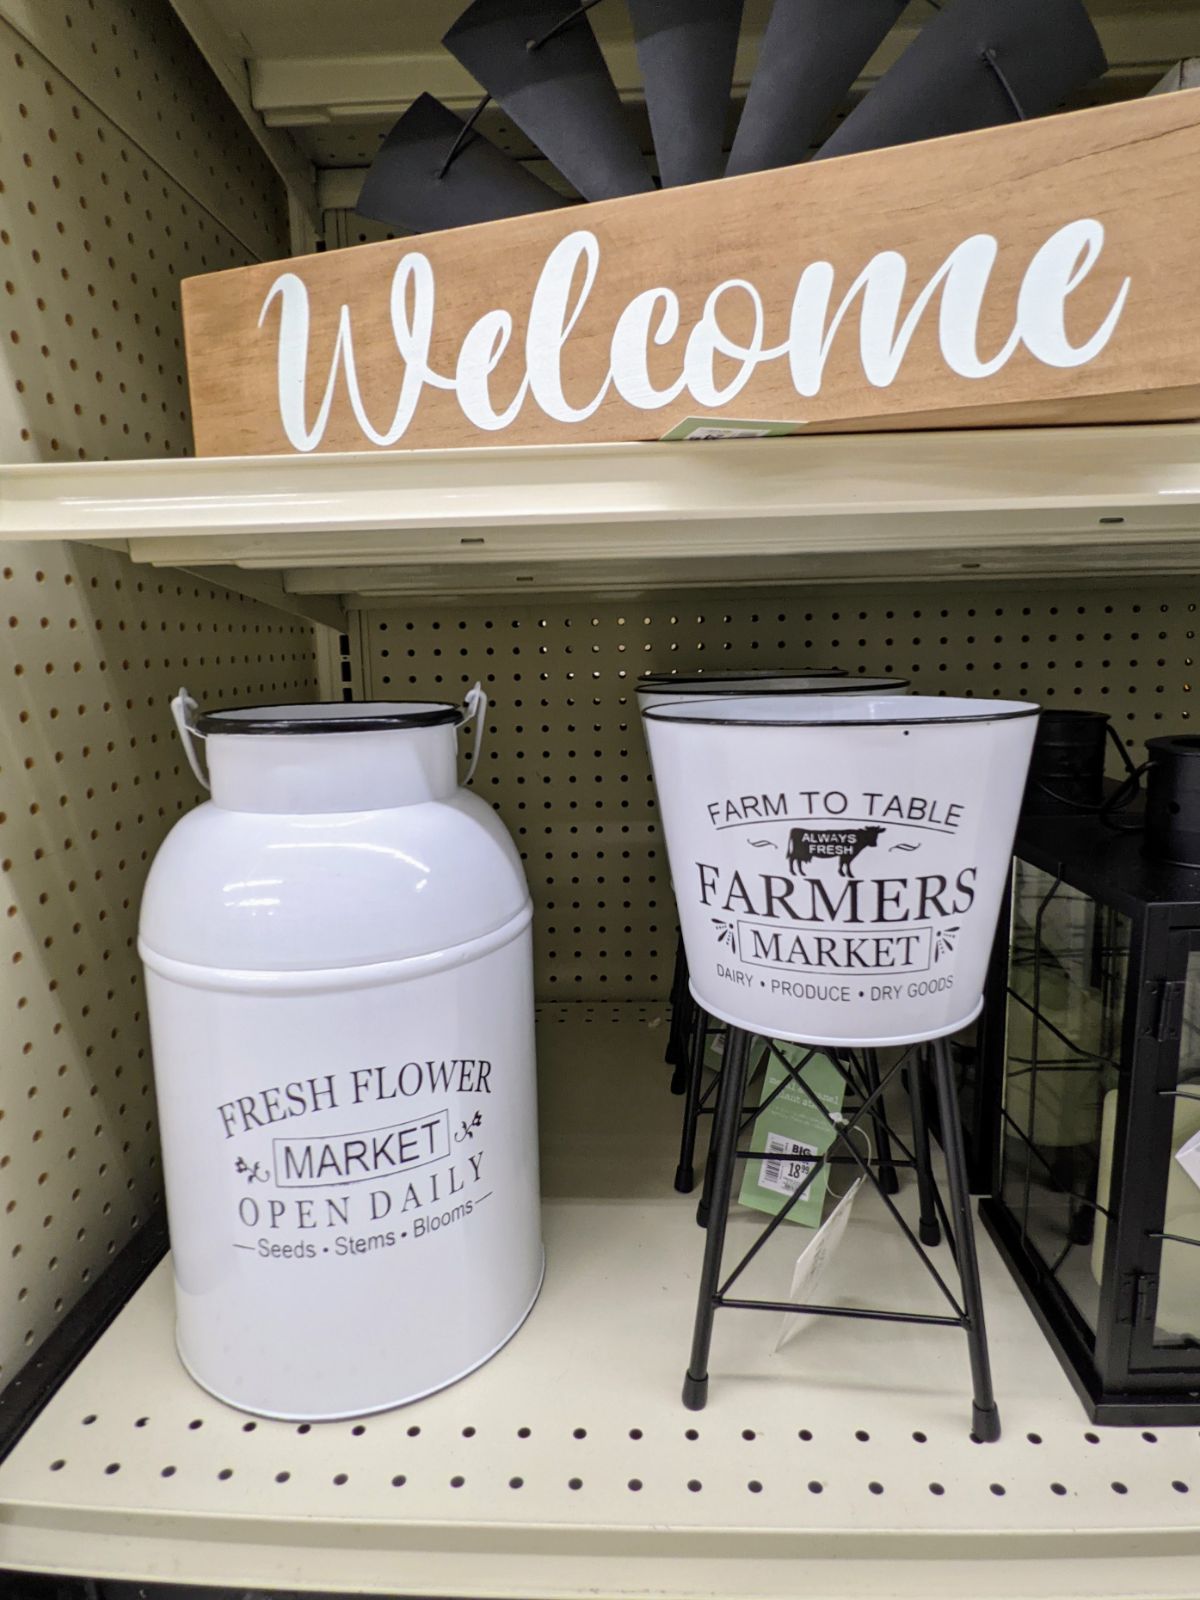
[[685, 1177], [888, 1180], [928, 1231], [985, 1415], [705, 1202], [681, 1006], [722, 1161]]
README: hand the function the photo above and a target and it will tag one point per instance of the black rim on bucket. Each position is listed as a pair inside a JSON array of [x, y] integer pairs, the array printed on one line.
[[377, 716], [661, 680], [665, 714], [719, 689]]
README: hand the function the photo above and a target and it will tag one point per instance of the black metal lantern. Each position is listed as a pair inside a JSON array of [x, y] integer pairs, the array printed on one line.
[[1092, 1071]]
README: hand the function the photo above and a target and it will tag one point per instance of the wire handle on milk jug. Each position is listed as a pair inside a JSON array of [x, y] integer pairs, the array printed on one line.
[[475, 707], [183, 709]]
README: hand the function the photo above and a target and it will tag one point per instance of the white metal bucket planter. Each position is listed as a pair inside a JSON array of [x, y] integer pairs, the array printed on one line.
[[830, 943], [657, 687], [338, 962], [839, 863]]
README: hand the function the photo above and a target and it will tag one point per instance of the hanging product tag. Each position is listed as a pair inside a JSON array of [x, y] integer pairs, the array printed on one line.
[[1188, 1157], [792, 1133], [812, 1264]]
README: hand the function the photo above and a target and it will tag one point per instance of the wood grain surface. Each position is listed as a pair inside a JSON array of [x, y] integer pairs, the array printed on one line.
[[1132, 168]]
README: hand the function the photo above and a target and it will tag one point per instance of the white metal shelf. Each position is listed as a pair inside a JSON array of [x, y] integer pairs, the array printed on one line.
[[1050, 502], [568, 1465]]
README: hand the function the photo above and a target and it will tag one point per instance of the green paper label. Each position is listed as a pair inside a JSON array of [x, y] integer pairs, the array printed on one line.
[[792, 1134], [732, 428]]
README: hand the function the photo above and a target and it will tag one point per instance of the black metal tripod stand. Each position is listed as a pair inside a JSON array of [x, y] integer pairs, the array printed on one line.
[[700, 1097], [730, 1118]]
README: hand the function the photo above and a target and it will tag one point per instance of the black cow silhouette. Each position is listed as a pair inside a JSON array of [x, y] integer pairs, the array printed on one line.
[[829, 844]]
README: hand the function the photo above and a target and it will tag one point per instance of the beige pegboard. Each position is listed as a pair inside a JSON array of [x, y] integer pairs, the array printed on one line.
[[345, 228], [134, 65], [565, 763], [94, 236]]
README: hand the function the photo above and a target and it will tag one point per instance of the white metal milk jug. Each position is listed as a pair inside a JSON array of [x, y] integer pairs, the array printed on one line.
[[338, 963]]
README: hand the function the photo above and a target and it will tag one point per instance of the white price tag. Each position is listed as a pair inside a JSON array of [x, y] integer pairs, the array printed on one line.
[[812, 1264], [790, 1166], [1188, 1157]]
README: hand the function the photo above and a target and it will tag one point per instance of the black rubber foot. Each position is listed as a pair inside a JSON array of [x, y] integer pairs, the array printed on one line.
[[695, 1393], [702, 1215], [679, 1081], [929, 1234], [888, 1181], [985, 1425], [685, 1179]]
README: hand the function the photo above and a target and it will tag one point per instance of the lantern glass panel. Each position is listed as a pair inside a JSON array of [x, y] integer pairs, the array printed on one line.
[[1177, 1310], [1069, 967]]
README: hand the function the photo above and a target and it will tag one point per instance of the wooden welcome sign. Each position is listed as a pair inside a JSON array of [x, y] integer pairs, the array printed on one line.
[[1045, 272]]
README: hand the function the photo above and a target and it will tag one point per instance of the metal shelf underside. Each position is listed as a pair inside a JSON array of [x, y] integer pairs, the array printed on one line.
[[568, 1465]]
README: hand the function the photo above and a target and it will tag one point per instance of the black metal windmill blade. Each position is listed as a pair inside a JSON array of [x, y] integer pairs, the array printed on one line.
[[971, 64]]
